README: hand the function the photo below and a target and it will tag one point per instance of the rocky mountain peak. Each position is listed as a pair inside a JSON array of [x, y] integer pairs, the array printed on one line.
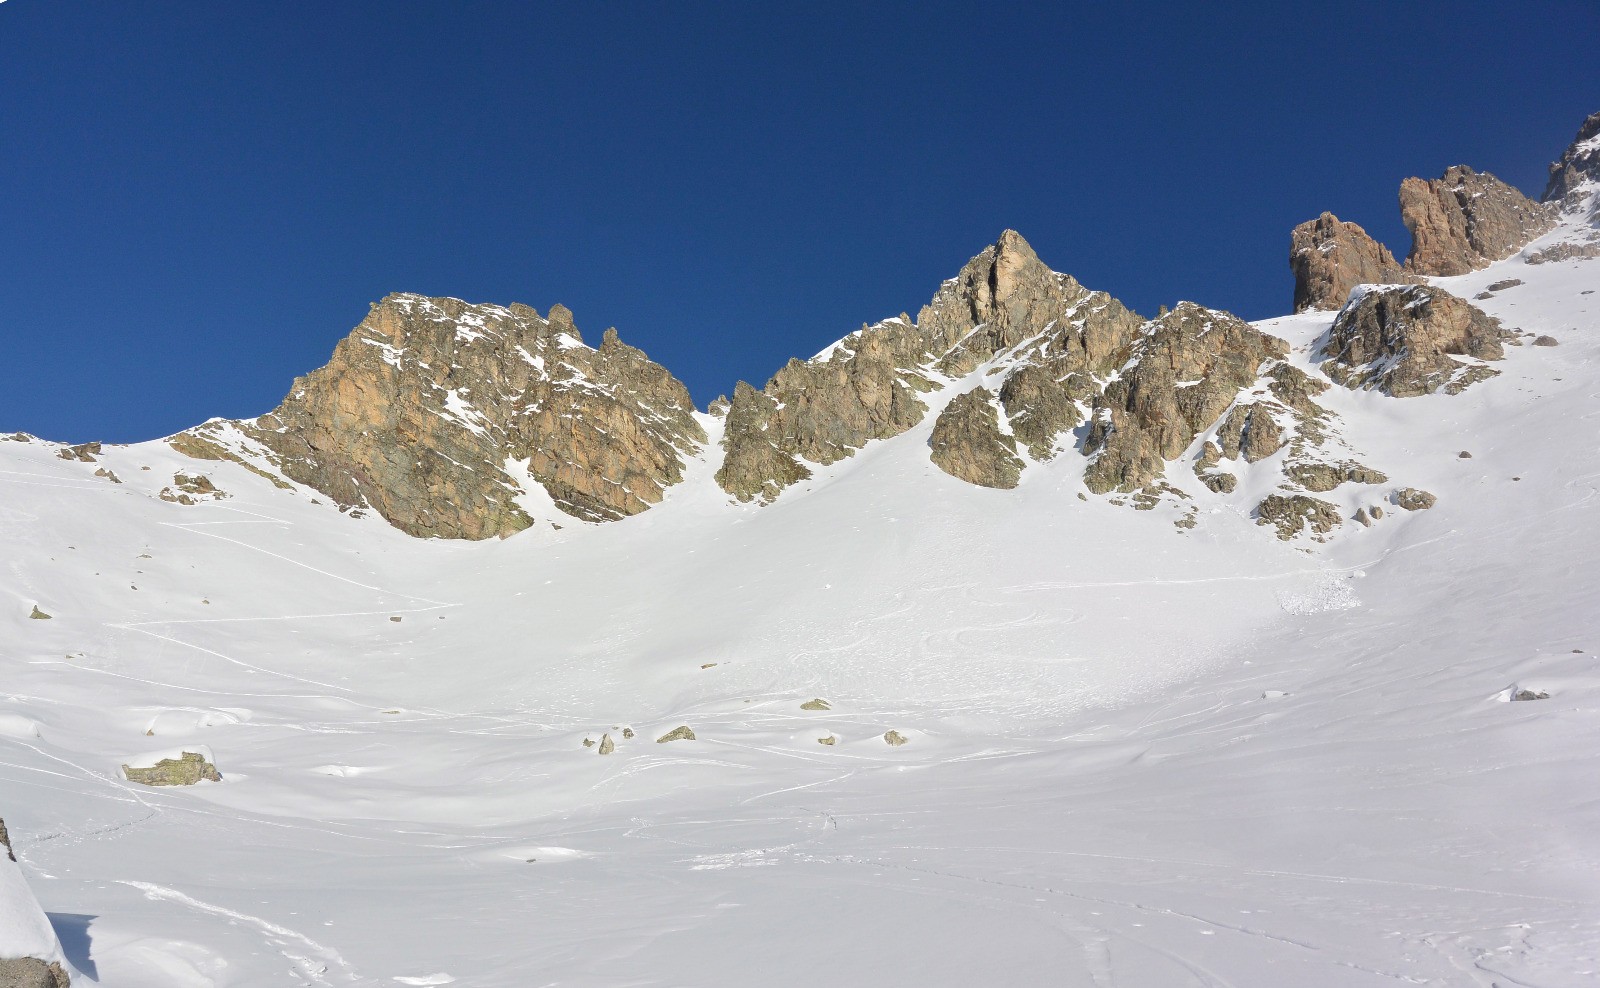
[[1464, 220], [1005, 269], [868, 385], [1577, 172], [1329, 257], [442, 415]]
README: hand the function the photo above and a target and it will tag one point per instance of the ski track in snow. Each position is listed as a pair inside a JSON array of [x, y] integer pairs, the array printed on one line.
[[317, 961]]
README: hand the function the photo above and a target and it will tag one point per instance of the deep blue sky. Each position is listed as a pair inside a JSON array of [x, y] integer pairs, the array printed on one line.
[[198, 199]]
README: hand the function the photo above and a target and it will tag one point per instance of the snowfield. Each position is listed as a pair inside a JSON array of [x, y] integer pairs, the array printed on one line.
[[1137, 756]]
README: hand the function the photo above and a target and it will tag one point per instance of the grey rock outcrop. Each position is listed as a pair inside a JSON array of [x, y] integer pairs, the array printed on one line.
[[1412, 499], [677, 734], [186, 770], [1577, 173], [1464, 221], [1400, 340], [191, 489], [1459, 222], [83, 452], [1251, 432], [1186, 368], [894, 739], [427, 404], [754, 467], [1295, 513], [1322, 477], [967, 443], [1330, 257], [1040, 408], [1567, 250], [38, 615]]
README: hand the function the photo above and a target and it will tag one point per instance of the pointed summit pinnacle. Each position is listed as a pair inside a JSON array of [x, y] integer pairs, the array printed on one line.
[[1012, 258]]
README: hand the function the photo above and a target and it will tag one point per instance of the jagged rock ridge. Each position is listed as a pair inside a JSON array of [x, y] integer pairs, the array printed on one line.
[[1462, 221], [1577, 173], [1021, 356], [868, 385], [438, 414]]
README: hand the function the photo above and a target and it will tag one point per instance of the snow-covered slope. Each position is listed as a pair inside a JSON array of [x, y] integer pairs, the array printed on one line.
[[1138, 754]]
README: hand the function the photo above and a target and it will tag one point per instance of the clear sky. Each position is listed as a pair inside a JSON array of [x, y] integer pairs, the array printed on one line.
[[198, 199]]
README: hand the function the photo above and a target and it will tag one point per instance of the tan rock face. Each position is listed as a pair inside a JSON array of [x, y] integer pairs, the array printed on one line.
[[868, 386], [30, 972], [967, 443], [426, 404], [1578, 167], [1187, 368], [1400, 340], [1464, 221], [1330, 257]]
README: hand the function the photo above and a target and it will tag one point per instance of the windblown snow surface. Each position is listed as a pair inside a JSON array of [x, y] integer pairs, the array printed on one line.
[[1137, 756]]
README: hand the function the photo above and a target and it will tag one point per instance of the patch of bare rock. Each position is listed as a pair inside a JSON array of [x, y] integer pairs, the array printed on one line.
[[186, 770], [1292, 514], [83, 452], [1406, 340], [191, 489], [1412, 499]]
